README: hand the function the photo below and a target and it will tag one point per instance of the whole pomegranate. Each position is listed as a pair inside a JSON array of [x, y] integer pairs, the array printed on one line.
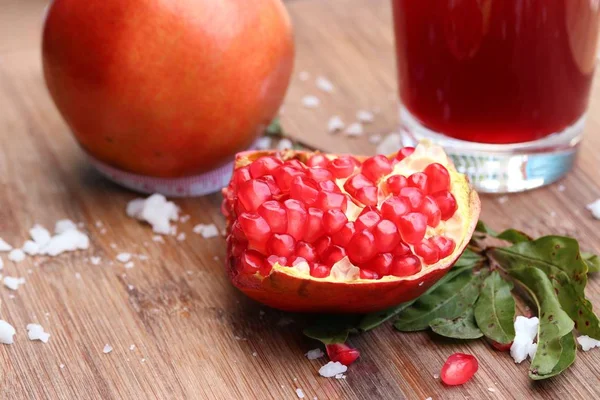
[[336, 233], [167, 88]]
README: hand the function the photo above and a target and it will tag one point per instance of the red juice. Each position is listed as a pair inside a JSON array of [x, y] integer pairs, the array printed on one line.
[[496, 71]]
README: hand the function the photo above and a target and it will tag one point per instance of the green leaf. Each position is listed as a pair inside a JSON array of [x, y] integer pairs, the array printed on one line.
[[373, 320], [495, 309], [568, 352], [551, 358], [461, 327], [559, 258], [332, 328], [483, 228], [592, 261], [514, 236], [447, 301], [468, 258], [274, 128]]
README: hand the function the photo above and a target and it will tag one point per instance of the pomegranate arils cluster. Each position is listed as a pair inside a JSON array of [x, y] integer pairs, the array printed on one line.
[[317, 213]]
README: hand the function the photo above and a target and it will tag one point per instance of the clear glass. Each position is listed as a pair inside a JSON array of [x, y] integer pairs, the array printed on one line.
[[502, 84]]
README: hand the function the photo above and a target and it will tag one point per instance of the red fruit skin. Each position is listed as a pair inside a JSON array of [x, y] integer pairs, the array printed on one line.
[[147, 86], [459, 369], [341, 352]]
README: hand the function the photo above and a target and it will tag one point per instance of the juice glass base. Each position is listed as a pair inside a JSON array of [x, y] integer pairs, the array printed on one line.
[[504, 168]]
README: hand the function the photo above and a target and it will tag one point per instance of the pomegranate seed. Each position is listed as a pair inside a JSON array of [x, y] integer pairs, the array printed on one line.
[[358, 181], [414, 196], [343, 236], [304, 189], [427, 251], [438, 178], [251, 262], [341, 352], [419, 181], [264, 166], [367, 219], [376, 167], [368, 274], [386, 235], [314, 225], [458, 369], [332, 255], [270, 181], [334, 220], [240, 176], [394, 208], [395, 183], [322, 244], [320, 174], [500, 346], [362, 247], [404, 152], [306, 251], [447, 204], [367, 195], [275, 214], [253, 193], [238, 233], [430, 208], [342, 167], [281, 245], [295, 164], [284, 176], [272, 260], [401, 249], [256, 230], [319, 270], [412, 227], [380, 265], [318, 160], [405, 266], [444, 245], [328, 200], [297, 217], [329, 186], [298, 260], [237, 248]]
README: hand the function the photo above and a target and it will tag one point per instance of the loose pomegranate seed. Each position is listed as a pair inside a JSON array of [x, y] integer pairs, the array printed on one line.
[[264, 166], [304, 189], [306, 251], [284, 176], [419, 181], [444, 245], [252, 194], [394, 208], [438, 178], [281, 245], [447, 204], [342, 353], [314, 225], [272, 260], [318, 160], [319, 270], [380, 265], [414, 196], [329, 186], [500, 346], [342, 167], [386, 235], [367, 219], [427, 251], [405, 266], [376, 167], [362, 247], [328, 200], [256, 230], [275, 214], [334, 220], [404, 152], [458, 369], [343, 236], [297, 216], [401, 249], [320, 174], [367, 195], [240, 176], [395, 183], [322, 244], [412, 227], [251, 262], [358, 181], [332, 255], [430, 208], [368, 274]]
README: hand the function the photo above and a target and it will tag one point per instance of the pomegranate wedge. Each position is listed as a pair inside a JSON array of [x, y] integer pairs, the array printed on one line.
[[335, 233]]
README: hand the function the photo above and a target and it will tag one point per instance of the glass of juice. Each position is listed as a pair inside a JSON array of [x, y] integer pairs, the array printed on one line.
[[503, 85]]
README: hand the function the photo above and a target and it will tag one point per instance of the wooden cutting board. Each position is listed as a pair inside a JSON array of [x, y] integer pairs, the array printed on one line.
[[195, 336]]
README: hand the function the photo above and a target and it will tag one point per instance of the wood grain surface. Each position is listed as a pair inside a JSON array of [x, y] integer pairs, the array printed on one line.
[[195, 336]]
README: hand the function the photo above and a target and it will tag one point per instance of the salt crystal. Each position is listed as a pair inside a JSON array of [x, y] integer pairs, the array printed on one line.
[[77, 275], [99, 224], [40, 235], [184, 218], [594, 208], [132, 347], [365, 116], [285, 144], [340, 376], [263, 143], [527, 327], [587, 343], [129, 265], [254, 354], [95, 260], [7, 331], [5, 246], [335, 124], [158, 239], [354, 129], [300, 393], [324, 84], [390, 144], [310, 102], [142, 257], [304, 76], [36, 332], [332, 369], [130, 287], [123, 257], [143, 360], [103, 231], [502, 199], [532, 350], [490, 389], [155, 210], [64, 225], [207, 231], [31, 248], [562, 188], [525, 333], [314, 354], [1, 264], [436, 376], [181, 237], [16, 255], [429, 398], [65, 240], [12, 282], [62, 366], [107, 348], [374, 139]]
